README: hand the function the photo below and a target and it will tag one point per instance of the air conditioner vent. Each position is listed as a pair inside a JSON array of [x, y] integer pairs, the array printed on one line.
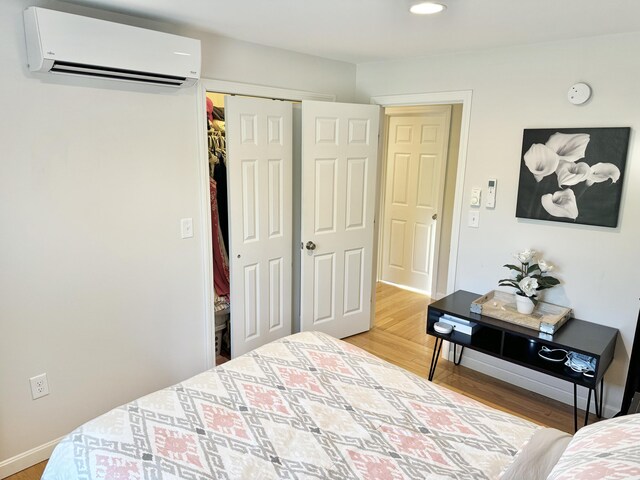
[[116, 73]]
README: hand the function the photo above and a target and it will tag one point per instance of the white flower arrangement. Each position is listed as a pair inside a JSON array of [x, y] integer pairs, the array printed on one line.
[[531, 276]]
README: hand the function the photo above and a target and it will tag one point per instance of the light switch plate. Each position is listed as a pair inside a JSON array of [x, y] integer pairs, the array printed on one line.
[[474, 218], [186, 227]]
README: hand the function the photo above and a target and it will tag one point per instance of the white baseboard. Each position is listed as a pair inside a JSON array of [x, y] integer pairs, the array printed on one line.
[[27, 459], [551, 391]]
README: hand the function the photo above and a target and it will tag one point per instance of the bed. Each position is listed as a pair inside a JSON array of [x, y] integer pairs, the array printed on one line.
[[313, 407]]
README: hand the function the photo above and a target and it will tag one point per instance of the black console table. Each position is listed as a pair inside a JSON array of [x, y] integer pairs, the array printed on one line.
[[520, 345]]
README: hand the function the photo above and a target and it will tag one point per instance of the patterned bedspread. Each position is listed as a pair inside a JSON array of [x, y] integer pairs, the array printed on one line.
[[307, 406]]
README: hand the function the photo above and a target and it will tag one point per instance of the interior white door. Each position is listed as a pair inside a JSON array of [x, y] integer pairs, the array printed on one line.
[[339, 165], [416, 157], [259, 152]]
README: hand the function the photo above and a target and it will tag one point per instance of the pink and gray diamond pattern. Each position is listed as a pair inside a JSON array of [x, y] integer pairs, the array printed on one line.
[[305, 407]]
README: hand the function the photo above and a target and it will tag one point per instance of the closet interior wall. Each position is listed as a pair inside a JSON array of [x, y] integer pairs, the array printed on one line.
[[219, 222]]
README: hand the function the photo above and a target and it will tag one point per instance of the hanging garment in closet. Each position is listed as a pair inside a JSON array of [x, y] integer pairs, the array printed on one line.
[[218, 113], [220, 263], [220, 177], [210, 109]]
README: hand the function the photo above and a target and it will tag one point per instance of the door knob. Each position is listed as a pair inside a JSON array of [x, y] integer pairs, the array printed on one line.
[[434, 216], [310, 245]]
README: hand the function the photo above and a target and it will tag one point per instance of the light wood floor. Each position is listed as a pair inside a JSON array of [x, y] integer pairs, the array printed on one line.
[[31, 473], [398, 336]]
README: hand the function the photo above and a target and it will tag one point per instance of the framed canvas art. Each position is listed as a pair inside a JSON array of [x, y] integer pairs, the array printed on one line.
[[572, 175]]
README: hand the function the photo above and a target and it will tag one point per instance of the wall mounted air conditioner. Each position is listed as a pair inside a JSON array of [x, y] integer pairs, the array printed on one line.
[[59, 42]]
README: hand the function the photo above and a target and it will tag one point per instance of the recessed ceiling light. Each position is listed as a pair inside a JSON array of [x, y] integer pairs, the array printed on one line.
[[426, 8]]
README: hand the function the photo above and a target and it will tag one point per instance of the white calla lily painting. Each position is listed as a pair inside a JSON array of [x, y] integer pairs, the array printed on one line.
[[572, 174]]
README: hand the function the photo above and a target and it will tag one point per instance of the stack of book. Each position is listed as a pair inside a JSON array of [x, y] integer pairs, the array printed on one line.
[[460, 325]]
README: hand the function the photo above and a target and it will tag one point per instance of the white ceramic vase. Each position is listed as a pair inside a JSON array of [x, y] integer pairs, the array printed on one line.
[[524, 304]]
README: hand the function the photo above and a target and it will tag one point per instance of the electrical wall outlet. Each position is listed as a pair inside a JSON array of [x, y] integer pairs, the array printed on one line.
[[186, 227], [39, 386]]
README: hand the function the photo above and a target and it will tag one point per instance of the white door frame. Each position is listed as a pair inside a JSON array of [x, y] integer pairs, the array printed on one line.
[[440, 98], [233, 88]]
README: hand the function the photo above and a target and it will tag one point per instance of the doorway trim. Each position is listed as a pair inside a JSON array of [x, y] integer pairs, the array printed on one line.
[[232, 88], [443, 98]]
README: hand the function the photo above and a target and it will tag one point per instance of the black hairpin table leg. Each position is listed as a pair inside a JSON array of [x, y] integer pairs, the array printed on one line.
[[599, 398], [457, 362], [599, 410], [575, 407], [586, 412], [434, 358], [597, 403]]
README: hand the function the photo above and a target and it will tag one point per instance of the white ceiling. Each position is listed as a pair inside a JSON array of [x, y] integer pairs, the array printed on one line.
[[359, 31]]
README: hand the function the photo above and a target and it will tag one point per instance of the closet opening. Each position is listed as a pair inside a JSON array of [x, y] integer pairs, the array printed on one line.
[[418, 190], [217, 158], [225, 200]]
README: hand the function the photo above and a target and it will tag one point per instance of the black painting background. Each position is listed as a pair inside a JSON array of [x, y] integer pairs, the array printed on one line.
[[598, 204]]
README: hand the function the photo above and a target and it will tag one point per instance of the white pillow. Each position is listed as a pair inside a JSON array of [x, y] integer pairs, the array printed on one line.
[[605, 450]]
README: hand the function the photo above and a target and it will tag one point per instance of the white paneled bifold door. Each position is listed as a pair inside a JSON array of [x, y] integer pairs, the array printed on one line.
[[339, 167], [259, 169]]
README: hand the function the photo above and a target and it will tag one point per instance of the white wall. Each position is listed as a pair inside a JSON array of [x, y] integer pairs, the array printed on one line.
[[526, 87], [226, 59], [96, 287]]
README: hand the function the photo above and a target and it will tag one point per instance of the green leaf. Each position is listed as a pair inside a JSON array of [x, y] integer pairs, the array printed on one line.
[[547, 282], [513, 267], [545, 279], [532, 268]]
